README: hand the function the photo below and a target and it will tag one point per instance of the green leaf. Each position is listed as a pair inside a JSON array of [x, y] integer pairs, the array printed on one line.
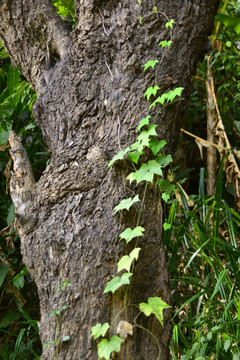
[[11, 214], [151, 91], [140, 19], [174, 93], [65, 338], [227, 344], [4, 133], [9, 318], [156, 145], [166, 226], [146, 172], [134, 156], [154, 306], [130, 234], [143, 138], [13, 78], [150, 63], [117, 282], [169, 24], [105, 347], [126, 203], [3, 272], [164, 160], [231, 22], [119, 156], [100, 330], [143, 122], [155, 9], [165, 43], [165, 197], [126, 261]]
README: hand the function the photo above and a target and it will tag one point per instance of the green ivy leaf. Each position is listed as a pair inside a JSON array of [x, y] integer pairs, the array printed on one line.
[[169, 24], [146, 172], [151, 91], [65, 338], [166, 226], [150, 63], [126, 203], [99, 330], [174, 93], [105, 347], [143, 138], [154, 306], [155, 9], [119, 156], [165, 197], [140, 19], [143, 122], [130, 234], [156, 145], [164, 160], [126, 261], [232, 22], [117, 282], [161, 99], [134, 156], [165, 43]]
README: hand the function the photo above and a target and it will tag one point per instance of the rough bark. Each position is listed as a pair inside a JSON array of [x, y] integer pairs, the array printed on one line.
[[89, 104]]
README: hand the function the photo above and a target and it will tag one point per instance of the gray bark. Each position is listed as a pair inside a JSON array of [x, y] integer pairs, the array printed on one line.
[[89, 104]]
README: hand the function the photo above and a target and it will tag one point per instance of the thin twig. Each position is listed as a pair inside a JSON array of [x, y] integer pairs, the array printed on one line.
[[119, 133]]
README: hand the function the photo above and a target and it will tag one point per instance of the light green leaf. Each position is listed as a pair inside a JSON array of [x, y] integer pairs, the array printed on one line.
[[126, 261], [166, 226], [154, 306], [151, 91], [126, 203], [165, 43], [160, 100], [4, 133], [155, 9], [140, 19], [143, 122], [65, 338], [134, 156], [174, 93], [150, 63], [232, 22], [165, 198], [99, 330], [117, 282], [227, 344], [119, 156], [130, 234], [105, 347], [11, 214], [169, 24], [146, 172], [143, 138], [156, 145]]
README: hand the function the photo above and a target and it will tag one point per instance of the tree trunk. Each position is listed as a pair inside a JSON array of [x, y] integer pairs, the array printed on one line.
[[90, 102]]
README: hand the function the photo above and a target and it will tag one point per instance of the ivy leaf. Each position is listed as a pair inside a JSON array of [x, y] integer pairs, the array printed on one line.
[[174, 93], [126, 203], [163, 160], [169, 24], [126, 261], [165, 43], [145, 134], [105, 347], [146, 172], [134, 156], [150, 63], [166, 226], [154, 306], [160, 100], [155, 9], [117, 282], [151, 91], [156, 145], [119, 156], [130, 234], [99, 330], [65, 338], [165, 198], [143, 122]]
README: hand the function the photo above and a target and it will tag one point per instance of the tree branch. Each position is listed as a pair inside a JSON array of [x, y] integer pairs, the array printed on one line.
[[27, 29]]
